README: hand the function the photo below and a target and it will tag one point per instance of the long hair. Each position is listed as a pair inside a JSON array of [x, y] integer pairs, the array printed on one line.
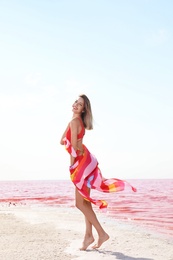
[[87, 116]]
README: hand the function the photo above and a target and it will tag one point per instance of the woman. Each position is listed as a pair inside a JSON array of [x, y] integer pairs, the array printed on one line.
[[84, 171]]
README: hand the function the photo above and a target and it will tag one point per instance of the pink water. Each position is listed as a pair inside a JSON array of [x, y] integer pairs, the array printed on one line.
[[151, 206]]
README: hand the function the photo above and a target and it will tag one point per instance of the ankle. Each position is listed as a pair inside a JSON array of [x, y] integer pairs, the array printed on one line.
[[102, 233], [88, 235]]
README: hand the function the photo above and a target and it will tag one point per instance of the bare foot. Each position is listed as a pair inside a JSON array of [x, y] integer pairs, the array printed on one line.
[[101, 240], [87, 241]]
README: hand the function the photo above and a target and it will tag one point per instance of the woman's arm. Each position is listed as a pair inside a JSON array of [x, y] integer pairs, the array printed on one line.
[[64, 134], [74, 124]]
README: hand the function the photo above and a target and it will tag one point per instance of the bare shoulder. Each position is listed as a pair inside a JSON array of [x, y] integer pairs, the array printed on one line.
[[74, 123]]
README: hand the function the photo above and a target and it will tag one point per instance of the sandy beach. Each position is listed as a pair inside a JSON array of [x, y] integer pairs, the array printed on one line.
[[41, 233]]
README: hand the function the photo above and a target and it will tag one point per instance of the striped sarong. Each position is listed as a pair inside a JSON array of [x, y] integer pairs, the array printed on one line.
[[85, 174]]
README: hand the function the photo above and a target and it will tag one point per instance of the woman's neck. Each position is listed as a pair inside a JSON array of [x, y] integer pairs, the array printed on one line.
[[76, 115]]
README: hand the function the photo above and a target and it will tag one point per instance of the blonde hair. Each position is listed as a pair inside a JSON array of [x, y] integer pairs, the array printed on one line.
[[87, 116]]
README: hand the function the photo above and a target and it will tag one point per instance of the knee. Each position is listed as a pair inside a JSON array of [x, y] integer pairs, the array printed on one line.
[[83, 204], [78, 205]]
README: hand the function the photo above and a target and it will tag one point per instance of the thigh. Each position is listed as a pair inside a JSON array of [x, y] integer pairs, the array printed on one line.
[[80, 199], [78, 196]]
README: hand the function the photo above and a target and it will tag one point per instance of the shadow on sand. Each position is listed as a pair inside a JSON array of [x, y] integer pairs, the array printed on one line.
[[121, 256]]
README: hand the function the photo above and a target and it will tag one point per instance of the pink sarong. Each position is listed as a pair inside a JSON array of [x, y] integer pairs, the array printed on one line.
[[85, 174]]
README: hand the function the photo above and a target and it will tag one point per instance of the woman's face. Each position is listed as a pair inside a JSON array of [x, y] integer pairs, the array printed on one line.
[[78, 106]]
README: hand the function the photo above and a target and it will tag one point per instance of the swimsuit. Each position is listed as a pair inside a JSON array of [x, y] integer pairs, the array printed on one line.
[[80, 135]]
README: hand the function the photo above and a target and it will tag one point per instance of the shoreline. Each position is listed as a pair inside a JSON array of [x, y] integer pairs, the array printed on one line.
[[56, 233]]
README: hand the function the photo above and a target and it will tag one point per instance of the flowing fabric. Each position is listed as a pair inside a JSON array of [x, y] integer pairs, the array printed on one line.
[[85, 174]]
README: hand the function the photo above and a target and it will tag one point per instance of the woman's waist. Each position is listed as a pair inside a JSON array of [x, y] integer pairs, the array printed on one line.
[[80, 153]]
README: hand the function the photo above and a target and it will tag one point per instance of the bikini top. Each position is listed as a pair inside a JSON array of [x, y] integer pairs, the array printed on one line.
[[80, 135]]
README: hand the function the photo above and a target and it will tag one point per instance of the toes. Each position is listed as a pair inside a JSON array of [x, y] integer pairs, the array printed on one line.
[[95, 246], [86, 244]]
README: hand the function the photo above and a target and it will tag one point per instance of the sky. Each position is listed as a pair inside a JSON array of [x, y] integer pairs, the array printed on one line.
[[118, 53]]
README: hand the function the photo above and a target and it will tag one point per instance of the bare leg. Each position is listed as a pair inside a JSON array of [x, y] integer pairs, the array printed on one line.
[[88, 238], [91, 219]]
